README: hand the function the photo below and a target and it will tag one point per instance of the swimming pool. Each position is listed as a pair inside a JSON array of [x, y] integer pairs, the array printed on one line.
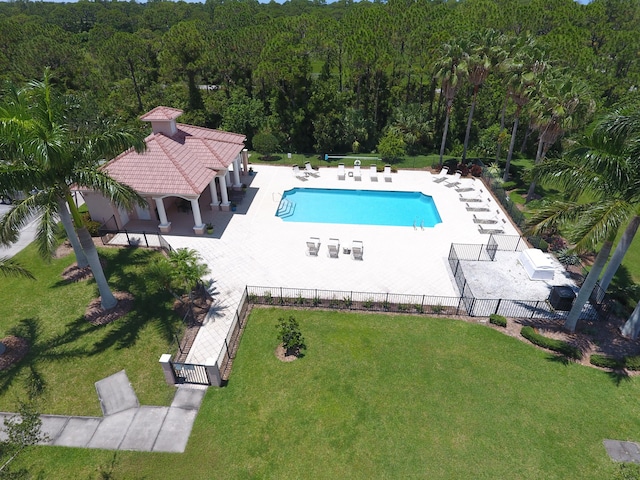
[[359, 207]]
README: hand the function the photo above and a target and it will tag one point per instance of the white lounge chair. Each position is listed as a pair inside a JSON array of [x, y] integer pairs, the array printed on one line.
[[478, 207], [387, 173], [341, 173], [453, 181], [485, 220], [442, 176], [334, 247], [481, 229], [357, 174], [308, 169], [357, 249], [373, 173], [299, 174], [473, 197], [313, 246]]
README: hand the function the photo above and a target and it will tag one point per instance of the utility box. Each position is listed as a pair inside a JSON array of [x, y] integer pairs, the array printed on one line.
[[562, 297]]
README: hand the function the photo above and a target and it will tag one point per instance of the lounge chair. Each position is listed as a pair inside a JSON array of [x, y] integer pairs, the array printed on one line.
[[334, 247], [299, 174], [442, 176], [471, 198], [387, 173], [453, 181], [485, 220], [357, 249], [481, 229], [313, 246], [308, 169], [373, 173], [478, 207], [341, 173], [357, 174]]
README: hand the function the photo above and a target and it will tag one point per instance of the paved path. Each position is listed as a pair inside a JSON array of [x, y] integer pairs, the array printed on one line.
[[126, 425]]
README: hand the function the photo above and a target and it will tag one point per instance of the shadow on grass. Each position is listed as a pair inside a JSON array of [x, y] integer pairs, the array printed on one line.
[[619, 376]]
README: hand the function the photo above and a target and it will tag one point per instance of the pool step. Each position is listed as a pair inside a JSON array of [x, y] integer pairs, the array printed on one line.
[[286, 208]]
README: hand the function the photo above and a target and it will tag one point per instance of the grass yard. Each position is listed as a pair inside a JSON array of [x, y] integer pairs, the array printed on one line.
[[382, 396], [68, 355]]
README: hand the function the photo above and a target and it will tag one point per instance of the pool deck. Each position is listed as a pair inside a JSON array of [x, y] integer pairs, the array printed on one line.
[[254, 247]]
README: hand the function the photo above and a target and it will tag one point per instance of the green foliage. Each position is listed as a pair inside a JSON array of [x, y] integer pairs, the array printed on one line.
[[92, 226], [498, 320], [629, 363], [559, 346], [22, 430], [265, 143], [289, 335], [392, 146], [567, 257]]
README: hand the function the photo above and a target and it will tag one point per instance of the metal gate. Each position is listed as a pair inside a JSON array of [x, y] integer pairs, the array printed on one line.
[[190, 373]]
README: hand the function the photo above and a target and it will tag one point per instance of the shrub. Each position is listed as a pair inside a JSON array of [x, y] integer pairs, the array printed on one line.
[[498, 320], [567, 257], [265, 143], [606, 362], [289, 335], [632, 363], [437, 308], [510, 185], [550, 343], [476, 170], [92, 227]]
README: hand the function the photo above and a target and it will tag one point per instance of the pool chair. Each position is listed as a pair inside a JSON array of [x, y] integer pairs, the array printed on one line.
[[357, 174], [313, 246], [491, 231], [373, 173], [357, 249], [341, 173], [473, 197], [387, 173], [442, 176], [299, 174], [308, 169], [334, 247], [485, 220], [453, 181], [478, 207]]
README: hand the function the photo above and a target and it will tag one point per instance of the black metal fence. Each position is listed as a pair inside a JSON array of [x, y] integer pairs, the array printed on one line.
[[230, 346]]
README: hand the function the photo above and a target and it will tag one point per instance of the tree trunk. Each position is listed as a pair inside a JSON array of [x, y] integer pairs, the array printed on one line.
[[135, 85], [502, 114], [106, 297], [587, 287], [444, 135], [469, 120], [512, 144], [67, 223], [631, 328], [620, 252], [526, 138], [539, 156]]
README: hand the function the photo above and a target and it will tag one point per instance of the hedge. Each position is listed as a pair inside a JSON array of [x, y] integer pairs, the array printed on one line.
[[552, 344], [629, 363], [498, 320]]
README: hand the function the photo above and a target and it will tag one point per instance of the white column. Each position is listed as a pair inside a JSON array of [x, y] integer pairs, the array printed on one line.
[[245, 161], [236, 173], [223, 193], [198, 226], [165, 225], [215, 203]]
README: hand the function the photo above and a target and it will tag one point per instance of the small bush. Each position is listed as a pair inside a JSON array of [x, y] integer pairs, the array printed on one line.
[[289, 335], [552, 344], [476, 170], [632, 363], [437, 309], [606, 362], [567, 257], [91, 226], [498, 320], [510, 185]]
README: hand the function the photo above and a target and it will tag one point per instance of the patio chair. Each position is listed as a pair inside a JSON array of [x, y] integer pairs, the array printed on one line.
[[333, 247], [485, 220], [481, 229], [373, 173], [308, 169], [357, 174], [478, 207], [442, 176], [471, 198], [387, 173], [453, 182], [341, 173], [299, 174], [313, 246], [357, 249]]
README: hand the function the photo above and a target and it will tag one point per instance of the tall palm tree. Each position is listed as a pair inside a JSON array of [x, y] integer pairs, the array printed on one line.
[[596, 170], [451, 69], [563, 105], [46, 156]]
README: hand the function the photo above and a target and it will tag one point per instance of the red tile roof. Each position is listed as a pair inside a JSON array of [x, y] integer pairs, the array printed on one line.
[[161, 113], [183, 164]]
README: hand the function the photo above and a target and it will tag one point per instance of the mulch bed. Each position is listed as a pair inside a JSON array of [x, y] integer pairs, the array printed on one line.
[[283, 356], [96, 315], [17, 348]]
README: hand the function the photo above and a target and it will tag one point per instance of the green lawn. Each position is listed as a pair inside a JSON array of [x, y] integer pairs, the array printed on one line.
[[382, 396], [68, 355]]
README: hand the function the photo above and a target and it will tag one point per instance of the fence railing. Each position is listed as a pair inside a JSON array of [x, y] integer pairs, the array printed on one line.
[[232, 339]]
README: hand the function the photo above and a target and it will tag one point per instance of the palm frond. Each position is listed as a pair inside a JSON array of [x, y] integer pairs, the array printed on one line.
[[11, 268], [99, 180]]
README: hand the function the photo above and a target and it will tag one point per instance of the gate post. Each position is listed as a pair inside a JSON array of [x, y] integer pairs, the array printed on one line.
[[213, 372], [167, 369]]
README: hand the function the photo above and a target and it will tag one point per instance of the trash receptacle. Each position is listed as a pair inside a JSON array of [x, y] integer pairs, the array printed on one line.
[[561, 297]]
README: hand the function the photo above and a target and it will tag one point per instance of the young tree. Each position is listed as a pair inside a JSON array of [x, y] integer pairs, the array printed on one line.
[[22, 431]]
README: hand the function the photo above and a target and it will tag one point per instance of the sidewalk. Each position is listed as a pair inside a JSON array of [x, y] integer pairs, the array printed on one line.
[[126, 425]]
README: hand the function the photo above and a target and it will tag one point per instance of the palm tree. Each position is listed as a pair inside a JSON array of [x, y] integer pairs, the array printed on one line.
[[46, 157], [484, 53], [610, 180], [11, 268], [564, 104], [451, 69]]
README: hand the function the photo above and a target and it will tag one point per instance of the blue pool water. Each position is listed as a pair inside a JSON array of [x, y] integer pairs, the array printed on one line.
[[359, 207]]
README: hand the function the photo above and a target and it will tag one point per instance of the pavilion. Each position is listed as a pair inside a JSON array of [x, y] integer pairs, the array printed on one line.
[[180, 163]]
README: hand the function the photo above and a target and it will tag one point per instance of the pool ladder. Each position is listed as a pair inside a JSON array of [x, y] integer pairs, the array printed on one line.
[[286, 208], [415, 227]]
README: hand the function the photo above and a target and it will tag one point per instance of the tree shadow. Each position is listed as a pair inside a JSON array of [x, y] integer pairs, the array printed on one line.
[[619, 376]]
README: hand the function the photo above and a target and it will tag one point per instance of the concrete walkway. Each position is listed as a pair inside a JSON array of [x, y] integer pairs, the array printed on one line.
[[126, 425]]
